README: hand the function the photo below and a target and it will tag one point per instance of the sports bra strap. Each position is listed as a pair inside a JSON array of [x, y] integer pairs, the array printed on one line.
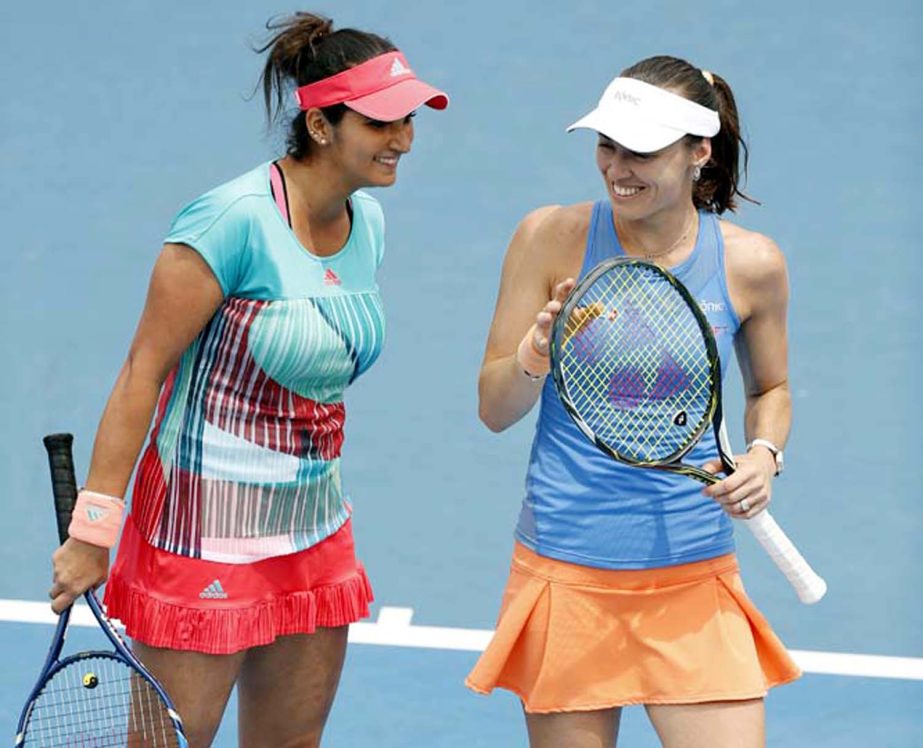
[[277, 182]]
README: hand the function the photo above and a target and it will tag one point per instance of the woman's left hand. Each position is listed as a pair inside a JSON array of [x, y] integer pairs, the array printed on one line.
[[748, 490]]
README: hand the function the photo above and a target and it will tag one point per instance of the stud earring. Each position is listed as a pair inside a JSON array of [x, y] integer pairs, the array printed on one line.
[[696, 173]]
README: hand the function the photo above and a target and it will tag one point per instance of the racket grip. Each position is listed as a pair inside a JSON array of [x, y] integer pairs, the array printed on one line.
[[809, 586], [63, 481]]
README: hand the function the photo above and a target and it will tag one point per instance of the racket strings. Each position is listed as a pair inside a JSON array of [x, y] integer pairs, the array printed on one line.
[[99, 701], [635, 365]]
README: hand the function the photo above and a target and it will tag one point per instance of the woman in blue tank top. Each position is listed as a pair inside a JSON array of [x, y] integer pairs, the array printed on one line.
[[624, 587]]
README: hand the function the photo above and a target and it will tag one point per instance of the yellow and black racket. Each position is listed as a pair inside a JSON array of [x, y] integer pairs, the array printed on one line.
[[636, 366]]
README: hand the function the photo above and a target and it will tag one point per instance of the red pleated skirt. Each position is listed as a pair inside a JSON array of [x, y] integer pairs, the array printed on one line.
[[176, 602]]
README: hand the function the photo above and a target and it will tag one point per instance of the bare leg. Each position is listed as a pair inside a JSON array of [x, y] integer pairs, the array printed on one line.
[[286, 689], [596, 729], [719, 724], [199, 685]]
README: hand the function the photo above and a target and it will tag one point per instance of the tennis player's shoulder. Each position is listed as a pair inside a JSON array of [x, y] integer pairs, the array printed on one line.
[[753, 260], [552, 228], [229, 203], [557, 218]]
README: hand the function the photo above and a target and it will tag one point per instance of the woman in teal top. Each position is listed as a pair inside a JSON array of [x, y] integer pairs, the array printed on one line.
[[236, 564]]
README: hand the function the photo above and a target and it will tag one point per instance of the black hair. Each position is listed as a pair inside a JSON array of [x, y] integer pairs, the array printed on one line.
[[304, 48], [718, 187]]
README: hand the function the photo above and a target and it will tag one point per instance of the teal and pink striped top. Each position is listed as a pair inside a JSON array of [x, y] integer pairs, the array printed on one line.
[[243, 461]]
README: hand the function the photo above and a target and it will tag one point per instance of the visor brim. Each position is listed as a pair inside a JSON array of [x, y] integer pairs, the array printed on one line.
[[632, 133], [397, 101]]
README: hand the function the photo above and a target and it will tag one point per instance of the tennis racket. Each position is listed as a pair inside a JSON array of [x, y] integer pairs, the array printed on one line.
[[636, 366], [100, 698]]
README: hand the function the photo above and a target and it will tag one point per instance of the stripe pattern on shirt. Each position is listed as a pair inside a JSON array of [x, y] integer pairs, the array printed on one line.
[[243, 461]]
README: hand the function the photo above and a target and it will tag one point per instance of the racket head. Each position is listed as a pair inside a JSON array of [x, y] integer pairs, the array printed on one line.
[[635, 363], [99, 698]]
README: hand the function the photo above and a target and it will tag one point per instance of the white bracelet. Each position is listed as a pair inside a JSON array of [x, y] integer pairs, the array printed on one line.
[[777, 455], [763, 443]]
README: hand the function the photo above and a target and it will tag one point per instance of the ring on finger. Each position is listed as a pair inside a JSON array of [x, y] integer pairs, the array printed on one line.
[[744, 505]]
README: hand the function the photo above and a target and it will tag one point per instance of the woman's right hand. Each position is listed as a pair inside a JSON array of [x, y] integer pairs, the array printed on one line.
[[544, 320], [78, 566]]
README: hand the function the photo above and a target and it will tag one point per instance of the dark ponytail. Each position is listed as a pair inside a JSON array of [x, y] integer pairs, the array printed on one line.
[[718, 188], [304, 49]]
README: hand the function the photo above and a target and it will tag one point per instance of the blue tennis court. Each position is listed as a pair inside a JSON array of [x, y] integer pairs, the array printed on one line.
[[115, 115]]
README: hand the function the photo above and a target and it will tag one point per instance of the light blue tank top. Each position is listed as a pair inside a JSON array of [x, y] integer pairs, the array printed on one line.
[[583, 507]]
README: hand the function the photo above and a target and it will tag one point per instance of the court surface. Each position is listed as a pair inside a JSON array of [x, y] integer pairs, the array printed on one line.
[[115, 115]]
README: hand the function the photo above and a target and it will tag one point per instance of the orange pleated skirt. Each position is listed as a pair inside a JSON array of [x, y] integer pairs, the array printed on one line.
[[576, 638]]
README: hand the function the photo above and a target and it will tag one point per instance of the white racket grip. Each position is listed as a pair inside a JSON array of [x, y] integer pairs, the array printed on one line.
[[809, 586]]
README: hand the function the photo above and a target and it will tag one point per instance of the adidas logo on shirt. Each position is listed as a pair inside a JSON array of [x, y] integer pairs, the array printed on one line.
[[214, 591], [397, 68], [331, 278]]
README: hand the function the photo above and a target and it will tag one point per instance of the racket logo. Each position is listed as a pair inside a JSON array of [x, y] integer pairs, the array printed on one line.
[[680, 419], [671, 379], [629, 386]]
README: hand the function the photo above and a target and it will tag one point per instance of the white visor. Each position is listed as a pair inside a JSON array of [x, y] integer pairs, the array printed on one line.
[[646, 118]]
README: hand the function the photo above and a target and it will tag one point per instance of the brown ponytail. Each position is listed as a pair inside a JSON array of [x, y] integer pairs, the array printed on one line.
[[718, 188], [303, 49]]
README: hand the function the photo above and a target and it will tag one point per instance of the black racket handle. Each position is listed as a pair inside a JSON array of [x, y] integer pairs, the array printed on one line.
[[63, 480]]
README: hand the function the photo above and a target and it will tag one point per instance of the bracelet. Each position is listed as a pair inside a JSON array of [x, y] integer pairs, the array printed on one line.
[[534, 364], [764, 443], [777, 455], [96, 519]]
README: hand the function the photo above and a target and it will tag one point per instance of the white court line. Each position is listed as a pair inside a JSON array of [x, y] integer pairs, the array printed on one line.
[[393, 629]]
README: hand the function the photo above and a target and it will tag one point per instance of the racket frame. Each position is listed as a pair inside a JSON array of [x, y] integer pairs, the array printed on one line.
[[65, 492], [713, 414]]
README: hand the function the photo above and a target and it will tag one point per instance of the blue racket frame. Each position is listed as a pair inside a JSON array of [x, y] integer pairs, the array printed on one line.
[[65, 488]]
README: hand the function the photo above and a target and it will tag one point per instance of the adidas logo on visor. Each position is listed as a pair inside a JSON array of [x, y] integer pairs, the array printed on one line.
[[397, 68], [214, 591]]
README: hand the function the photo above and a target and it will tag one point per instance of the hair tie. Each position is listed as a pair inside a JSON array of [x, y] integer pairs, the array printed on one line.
[[706, 74]]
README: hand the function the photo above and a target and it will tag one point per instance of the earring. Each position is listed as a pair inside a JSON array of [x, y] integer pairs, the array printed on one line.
[[696, 173], [321, 140]]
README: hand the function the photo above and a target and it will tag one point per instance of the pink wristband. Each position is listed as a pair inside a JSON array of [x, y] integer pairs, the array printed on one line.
[[96, 518], [533, 363]]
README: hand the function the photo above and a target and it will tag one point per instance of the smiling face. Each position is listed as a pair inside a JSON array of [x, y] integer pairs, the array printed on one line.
[[643, 184], [367, 151]]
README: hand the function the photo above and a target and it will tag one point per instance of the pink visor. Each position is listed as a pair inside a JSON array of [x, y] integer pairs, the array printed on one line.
[[383, 88]]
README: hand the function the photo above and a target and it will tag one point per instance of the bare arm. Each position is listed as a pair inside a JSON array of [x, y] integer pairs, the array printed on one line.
[[531, 292], [183, 295], [762, 351], [759, 284]]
